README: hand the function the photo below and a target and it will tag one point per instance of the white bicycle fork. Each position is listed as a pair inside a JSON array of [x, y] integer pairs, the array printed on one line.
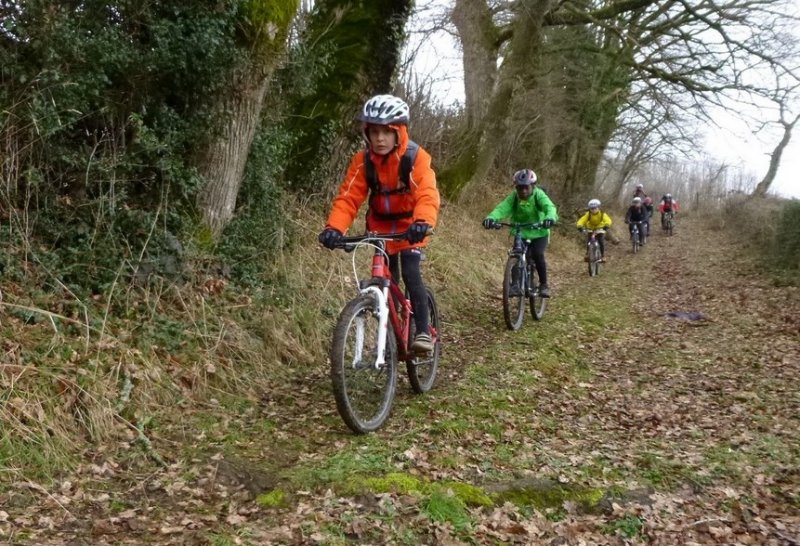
[[381, 295]]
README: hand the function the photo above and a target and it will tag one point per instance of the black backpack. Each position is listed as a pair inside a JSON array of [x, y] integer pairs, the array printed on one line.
[[406, 166]]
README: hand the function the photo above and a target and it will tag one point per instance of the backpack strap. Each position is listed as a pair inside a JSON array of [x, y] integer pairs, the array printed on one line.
[[407, 163], [406, 166]]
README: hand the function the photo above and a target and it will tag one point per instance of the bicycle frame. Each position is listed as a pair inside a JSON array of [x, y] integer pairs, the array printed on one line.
[[668, 219], [637, 229], [593, 233], [399, 314], [591, 244], [393, 306], [520, 248]]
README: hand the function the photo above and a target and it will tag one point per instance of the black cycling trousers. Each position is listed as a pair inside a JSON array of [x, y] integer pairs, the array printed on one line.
[[601, 242], [409, 261], [535, 255]]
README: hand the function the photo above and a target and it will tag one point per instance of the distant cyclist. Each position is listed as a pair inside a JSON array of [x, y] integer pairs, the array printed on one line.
[[647, 201], [636, 213], [528, 204], [595, 219], [667, 204]]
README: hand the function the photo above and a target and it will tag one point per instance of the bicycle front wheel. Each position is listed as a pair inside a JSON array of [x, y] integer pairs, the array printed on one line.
[[513, 296], [635, 239], [364, 391], [594, 260], [670, 226], [422, 368]]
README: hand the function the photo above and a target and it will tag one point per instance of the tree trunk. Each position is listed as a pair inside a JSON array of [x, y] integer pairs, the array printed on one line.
[[351, 51], [518, 72], [479, 44], [223, 160], [237, 112], [775, 159]]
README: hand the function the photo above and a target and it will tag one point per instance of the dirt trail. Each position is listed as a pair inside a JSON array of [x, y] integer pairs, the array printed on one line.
[[607, 392]]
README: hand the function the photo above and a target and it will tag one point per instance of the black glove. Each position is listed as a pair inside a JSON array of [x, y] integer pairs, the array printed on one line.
[[548, 223], [329, 237], [417, 232], [488, 223]]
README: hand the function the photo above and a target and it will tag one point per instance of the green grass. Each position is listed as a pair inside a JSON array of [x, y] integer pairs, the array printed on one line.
[[343, 466], [444, 507]]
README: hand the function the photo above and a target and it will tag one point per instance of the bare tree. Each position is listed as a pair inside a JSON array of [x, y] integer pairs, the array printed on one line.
[[783, 96], [688, 54]]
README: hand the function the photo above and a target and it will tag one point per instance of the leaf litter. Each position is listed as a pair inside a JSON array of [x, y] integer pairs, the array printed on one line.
[[703, 422]]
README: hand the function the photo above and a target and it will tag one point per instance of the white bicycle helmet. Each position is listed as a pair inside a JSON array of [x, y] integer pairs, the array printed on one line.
[[594, 203], [637, 201], [525, 177], [385, 110], [640, 187]]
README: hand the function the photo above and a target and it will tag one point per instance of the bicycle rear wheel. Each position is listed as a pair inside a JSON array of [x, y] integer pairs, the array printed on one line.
[[513, 305], [538, 305], [422, 368], [363, 391]]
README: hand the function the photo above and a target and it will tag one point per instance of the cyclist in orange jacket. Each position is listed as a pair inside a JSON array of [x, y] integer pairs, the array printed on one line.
[[396, 175]]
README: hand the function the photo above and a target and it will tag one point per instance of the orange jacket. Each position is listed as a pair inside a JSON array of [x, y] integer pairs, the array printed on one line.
[[422, 201]]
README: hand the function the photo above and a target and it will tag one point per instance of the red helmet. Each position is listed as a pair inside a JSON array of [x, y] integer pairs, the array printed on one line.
[[647, 201]]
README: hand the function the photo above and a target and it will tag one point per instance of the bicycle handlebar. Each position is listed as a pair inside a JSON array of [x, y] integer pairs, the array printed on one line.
[[532, 225], [598, 230], [349, 242]]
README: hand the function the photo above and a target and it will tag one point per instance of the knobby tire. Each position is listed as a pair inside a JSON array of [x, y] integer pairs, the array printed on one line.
[[537, 303], [594, 260], [422, 368], [513, 306], [363, 394]]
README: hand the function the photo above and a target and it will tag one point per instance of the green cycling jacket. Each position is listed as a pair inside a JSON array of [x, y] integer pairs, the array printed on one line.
[[536, 208]]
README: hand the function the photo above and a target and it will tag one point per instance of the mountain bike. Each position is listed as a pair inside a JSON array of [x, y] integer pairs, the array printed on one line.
[[519, 282], [373, 334], [637, 235], [668, 222], [593, 250]]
